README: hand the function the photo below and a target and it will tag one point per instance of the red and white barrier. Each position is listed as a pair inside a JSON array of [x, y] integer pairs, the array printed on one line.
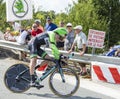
[[106, 72]]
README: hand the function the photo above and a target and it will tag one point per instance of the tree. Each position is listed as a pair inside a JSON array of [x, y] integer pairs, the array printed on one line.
[[110, 10], [83, 13], [3, 23], [42, 15], [61, 17]]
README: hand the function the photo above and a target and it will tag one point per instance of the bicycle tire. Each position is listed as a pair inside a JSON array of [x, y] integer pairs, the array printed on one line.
[[57, 86], [17, 86]]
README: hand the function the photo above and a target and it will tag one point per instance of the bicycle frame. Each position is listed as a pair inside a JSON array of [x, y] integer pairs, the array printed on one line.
[[46, 74], [57, 66]]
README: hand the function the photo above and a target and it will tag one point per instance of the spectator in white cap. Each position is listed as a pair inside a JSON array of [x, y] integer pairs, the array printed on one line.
[[81, 41], [70, 37]]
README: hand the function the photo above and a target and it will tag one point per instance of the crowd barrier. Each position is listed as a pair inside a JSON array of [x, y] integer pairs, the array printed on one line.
[[105, 72], [93, 60]]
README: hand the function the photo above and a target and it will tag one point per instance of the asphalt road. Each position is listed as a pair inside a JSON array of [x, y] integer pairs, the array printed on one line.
[[84, 91]]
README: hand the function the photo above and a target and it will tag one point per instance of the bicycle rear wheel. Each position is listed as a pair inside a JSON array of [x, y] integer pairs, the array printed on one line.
[[67, 88], [17, 83]]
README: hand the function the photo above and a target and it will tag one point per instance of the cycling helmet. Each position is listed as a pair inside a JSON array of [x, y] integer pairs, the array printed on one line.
[[61, 31]]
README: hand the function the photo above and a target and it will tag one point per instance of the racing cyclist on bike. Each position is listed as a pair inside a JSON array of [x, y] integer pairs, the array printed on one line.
[[48, 38]]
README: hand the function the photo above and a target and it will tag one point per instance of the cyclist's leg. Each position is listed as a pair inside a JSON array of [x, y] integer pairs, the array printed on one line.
[[33, 77], [33, 55], [43, 55], [32, 67]]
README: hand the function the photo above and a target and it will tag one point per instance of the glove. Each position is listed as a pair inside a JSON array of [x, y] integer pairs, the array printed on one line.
[[63, 57]]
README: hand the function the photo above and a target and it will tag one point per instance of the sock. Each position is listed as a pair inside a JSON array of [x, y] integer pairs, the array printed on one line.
[[33, 78]]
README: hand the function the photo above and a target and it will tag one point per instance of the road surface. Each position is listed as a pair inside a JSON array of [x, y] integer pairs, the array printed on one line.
[[88, 89]]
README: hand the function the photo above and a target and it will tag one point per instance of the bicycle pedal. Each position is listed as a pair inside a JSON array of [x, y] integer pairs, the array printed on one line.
[[40, 86]]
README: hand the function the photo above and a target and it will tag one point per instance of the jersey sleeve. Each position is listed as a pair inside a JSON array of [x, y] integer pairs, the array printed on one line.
[[55, 51]]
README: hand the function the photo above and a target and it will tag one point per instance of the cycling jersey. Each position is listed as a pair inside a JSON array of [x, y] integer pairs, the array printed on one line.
[[47, 39]]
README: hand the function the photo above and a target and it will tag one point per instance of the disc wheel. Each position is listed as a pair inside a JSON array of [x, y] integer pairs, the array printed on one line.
[[17, 83]]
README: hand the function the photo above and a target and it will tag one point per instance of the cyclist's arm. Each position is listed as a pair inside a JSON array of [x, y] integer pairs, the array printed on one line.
[[53, 46], [55, 51]]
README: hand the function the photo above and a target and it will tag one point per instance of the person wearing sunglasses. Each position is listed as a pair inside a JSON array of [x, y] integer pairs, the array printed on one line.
[[35, 30], [70, 37]]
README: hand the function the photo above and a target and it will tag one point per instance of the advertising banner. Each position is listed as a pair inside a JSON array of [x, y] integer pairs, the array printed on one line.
[[18, 10]]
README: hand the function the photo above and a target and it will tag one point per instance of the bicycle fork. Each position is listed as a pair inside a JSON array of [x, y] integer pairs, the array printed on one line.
[[61, 73]]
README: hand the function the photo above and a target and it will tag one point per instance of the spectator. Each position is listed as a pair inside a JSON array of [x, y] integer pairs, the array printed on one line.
[[117, 53], [60, 44], [49, 25], [61, 24], [81, 41], [38, 22], [7, 33], [28, 37], [16, 26], [35, 30], [70, 37], [11, 36], [23, 38]]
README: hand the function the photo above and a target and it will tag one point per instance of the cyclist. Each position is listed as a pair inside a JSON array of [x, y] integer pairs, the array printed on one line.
[[47, 38]]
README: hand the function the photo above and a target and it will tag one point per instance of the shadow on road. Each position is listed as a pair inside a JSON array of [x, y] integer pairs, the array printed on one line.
[[54, 96]]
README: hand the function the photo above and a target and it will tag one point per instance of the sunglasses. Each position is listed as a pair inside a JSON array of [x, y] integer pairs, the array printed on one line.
[[69, 26], [61, 37], [34, 26]]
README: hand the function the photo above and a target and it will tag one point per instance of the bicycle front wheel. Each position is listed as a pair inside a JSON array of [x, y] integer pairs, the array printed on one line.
[[17, 78], [61, 88]]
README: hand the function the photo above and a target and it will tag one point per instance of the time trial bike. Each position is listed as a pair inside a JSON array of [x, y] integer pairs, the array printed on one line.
[[63, 80]]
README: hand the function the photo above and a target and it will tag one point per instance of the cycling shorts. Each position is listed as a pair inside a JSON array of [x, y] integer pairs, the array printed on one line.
[[35, 50]]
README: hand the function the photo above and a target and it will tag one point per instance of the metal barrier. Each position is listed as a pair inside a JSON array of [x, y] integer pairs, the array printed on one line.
[[87, 58]]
